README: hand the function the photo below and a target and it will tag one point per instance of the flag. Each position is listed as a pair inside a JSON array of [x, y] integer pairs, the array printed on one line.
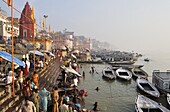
[[32, 13], [9, 2]]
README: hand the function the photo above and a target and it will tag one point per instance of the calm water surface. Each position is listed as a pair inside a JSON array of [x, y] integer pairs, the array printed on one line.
[[118, 95]]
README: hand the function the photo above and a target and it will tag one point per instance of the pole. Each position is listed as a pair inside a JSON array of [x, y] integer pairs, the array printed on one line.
[[34, 47], [12, 37]]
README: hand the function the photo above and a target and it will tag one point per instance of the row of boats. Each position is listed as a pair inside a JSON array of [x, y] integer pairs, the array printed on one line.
[[142, 103], [123, 73]]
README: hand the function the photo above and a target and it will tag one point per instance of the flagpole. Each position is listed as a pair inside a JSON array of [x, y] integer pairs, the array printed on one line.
[[34, 50], [12, 37], [32, 17]]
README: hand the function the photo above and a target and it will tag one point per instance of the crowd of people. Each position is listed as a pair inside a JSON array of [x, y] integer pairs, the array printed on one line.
[[65, 96]]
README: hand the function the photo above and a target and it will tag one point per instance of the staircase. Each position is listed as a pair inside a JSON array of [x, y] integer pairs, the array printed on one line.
[[47, 79]]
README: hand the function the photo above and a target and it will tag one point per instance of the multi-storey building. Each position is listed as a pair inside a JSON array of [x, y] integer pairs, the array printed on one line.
[[5, 26]]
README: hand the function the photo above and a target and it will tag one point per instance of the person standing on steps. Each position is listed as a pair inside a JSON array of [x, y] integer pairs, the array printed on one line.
[[44, 97], [55, 98], [35, 79], [28, 106], [35, 98]]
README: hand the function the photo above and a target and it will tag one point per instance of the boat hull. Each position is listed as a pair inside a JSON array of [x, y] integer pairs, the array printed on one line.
[[147, 87], [123, 74], [139, 73], [108, 73], [143, 104]]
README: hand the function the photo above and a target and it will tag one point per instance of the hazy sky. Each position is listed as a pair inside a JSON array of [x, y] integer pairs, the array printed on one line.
[[134, 25]]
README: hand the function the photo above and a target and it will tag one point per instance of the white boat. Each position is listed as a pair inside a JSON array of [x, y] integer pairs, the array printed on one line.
[[168, 98], [109, 73], [139, 73], [144, 104], [123, 73], [147, 87]]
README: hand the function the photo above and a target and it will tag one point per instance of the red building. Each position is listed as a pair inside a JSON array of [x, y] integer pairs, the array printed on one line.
[[26, 23]]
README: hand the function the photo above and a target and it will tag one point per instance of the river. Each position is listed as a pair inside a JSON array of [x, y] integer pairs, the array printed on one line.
[[118, 95]]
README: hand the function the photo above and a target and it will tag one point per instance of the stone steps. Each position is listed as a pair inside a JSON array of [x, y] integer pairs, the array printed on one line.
[[12, 104], [45, 75], [2, 90], [48, 77], [9, 102], [4, 97], [49, 83], [16, 106]]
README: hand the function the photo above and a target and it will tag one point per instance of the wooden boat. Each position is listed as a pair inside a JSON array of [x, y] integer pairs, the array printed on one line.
[[139, 73], [168, 98], [146, 59], [144, 104], [128, 66], [123, 74], [147, 87], [109, 73], [121, 62]]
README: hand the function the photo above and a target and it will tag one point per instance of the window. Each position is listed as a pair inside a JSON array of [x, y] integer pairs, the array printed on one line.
[[24, 33]]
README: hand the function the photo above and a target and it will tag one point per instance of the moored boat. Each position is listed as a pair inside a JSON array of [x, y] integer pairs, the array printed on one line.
[[109, 73], [121, 62], [139, 73], [146, 59], [123, 74], [147, 87], [127, 66], [145, 104]]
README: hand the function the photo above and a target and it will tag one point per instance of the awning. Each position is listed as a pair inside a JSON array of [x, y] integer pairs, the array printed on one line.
[[36, 52], [68, 69], [8, 57], [50, 53]]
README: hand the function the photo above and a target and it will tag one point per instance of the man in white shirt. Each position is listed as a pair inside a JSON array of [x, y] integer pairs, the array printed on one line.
[[28, 106], [64, 107], [9, 77]]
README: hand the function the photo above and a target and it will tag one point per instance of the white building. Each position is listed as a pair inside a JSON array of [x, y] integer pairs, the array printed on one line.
[[5, 25], [69, 39]]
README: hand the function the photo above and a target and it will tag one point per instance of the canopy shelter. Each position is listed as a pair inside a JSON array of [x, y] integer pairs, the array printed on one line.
[[48, 52], [68, 69], [36, 52], [8, 57]]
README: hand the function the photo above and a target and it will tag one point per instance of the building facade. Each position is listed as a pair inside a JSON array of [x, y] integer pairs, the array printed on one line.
[[27, 25], [5, 26]]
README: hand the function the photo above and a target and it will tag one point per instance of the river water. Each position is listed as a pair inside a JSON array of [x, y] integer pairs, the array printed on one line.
[[118, 95]]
